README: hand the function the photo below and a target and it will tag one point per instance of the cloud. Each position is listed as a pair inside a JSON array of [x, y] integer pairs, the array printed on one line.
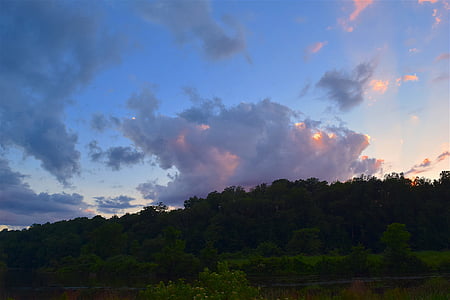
[[213, 147], [21, 206], [115, 157], [48, 52], [406, 78], [113, 205], [437, 18], [347, 89], [379, 85], [427, 164], [424, 1], [443, 56], [360, 5], [304, 90], [442, 78], [314, 48], [193, 22], [99, 122]]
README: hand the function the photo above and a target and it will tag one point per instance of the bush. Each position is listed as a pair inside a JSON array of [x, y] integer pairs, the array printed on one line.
[[221, 285]]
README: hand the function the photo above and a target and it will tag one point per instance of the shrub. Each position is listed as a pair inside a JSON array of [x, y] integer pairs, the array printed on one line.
[[221, 285]]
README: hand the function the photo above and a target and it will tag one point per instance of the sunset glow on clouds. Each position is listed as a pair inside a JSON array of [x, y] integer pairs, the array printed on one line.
[[109, 107], [314, 48], [379, 85], [427, 164], [360, 5], [430, 1], [406, 78]]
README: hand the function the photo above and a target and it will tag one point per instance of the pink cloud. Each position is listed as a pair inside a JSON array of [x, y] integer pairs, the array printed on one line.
[[212, 147], [430, 1], [406, 78], [443, 56], [360, 5], [427, 164], [314, 48], [379, 85]]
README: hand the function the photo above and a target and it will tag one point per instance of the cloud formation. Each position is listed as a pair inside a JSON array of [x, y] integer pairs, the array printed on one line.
[[443, 56], [113, 205], [47, 52], [379, 86], [406, 78], [360, 5], [314, 48], [21, 206], [99, 122], [427, 164], [115, 157], [347, 89], [192, 21], [213, 147], [424, 1]]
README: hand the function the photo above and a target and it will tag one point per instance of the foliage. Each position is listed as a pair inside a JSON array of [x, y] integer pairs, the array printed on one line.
[[305, 241], [262, 225], [397, 257], [221, 285]]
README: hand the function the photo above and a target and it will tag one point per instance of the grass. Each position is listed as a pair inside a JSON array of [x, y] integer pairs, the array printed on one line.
[[432, 289], [434, 258]]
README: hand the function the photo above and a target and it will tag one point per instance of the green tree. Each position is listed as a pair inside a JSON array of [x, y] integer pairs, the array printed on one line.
[[396, 238], [305, 241], [397, 256], [173, 262]]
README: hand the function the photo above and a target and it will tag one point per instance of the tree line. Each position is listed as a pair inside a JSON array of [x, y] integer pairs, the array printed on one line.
[[284, 218]]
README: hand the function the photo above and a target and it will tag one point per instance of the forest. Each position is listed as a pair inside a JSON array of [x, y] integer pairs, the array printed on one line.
[[364, 226]]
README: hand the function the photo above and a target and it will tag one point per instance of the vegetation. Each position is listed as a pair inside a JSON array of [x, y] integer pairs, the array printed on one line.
[[365, 226]]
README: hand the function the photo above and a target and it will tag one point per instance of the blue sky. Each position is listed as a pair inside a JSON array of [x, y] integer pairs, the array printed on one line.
[[109, 106]]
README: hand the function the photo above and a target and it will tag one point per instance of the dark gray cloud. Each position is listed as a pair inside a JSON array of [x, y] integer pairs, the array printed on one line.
[[113, 205], [21, 206], [304, 90], [100, 122], [47, 53], [115, 157], [192, 21], [242, 145], [347, 89]]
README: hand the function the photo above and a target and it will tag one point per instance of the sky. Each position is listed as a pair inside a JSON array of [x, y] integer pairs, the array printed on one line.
[[110, 106]]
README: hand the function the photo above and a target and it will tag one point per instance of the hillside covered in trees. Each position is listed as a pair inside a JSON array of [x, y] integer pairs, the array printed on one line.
[[285, 218]]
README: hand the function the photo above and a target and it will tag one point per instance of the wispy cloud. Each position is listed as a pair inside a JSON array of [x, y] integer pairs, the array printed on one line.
[[427, 164], [314, 48], [360, 5], [406, 78], [443, 56], [213, 147], [442, 78], [425, 1], [192, 21], [114, 205], [347, 89]]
